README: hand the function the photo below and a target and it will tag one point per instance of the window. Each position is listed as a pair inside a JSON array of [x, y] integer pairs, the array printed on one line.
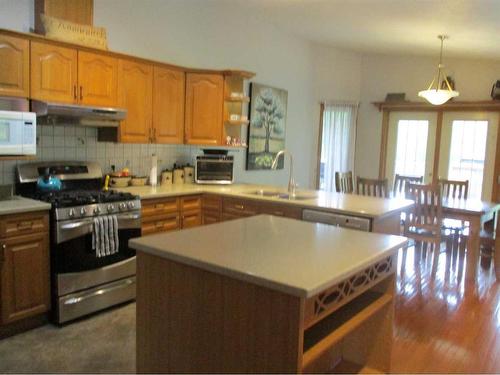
[[411, 147], [467, 154], [337, 143]]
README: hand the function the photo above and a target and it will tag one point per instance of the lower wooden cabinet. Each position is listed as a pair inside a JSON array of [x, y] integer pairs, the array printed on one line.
[[233, 208], [24, 270], [211, 209]]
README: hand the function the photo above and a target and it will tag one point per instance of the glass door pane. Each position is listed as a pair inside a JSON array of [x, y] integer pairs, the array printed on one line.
[[468, 146], [410, 145]]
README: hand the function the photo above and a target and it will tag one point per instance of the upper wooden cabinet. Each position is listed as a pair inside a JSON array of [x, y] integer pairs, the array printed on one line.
[[135, 87], [66, 75], [14, 66], [97, 79], [204, 104], [54, 73], [168, 105]]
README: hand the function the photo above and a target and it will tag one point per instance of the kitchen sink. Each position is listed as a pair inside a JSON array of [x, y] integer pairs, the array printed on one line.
[[280, 195]]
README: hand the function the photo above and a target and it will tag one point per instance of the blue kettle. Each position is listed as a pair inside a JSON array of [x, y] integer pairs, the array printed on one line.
[[48, 182]]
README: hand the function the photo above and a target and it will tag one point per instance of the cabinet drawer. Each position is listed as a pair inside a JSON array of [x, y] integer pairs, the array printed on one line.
[[191, 219], [210, 217], [154, 207], [165, 224], [23, 224], [211, 203], [239, 207], [191, 203], [281, 210]]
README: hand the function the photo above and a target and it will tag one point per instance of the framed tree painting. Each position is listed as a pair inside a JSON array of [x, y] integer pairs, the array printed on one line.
[[266, 132]]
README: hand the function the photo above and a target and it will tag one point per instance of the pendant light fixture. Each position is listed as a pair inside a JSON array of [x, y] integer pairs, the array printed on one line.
[[440, 90]]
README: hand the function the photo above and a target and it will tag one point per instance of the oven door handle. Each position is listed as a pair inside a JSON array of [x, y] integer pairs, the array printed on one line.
[[75, 225]]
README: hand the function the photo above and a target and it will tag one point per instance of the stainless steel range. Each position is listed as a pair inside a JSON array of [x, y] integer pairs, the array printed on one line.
[[84, 278]]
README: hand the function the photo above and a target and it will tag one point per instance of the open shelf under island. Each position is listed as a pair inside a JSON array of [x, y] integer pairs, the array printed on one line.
[[265, 294]]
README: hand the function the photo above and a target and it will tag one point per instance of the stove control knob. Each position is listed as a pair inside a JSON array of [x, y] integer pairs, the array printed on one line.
[[110, 208], [83, 211], [71, 213], [122, 206], [131, 205], [97, 210]]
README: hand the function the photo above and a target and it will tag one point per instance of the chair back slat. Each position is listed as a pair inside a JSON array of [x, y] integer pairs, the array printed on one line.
[[454, 188], [372, 187], [401, 181], [343, 182]]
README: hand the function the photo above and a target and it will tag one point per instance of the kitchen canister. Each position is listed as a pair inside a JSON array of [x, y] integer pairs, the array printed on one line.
[[166, 178], [178, 175], [189, 174]]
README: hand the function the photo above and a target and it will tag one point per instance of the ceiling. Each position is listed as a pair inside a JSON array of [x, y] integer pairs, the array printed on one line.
[[388, 26]]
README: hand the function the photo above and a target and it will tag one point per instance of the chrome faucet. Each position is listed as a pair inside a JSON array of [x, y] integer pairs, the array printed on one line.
[[291, 182]]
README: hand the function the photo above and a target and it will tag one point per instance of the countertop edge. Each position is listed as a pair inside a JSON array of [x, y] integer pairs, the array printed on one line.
[[284, 288]]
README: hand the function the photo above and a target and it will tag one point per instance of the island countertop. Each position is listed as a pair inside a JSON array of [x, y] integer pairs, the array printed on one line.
[[352, 204], [290, 256]]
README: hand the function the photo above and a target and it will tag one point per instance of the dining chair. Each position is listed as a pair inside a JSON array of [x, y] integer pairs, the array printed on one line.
[[453, 230], [401, 181], [424, 221], [372, 187], [343, 182]]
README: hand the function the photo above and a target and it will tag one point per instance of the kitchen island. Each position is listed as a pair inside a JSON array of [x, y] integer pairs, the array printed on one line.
[[265, 294]]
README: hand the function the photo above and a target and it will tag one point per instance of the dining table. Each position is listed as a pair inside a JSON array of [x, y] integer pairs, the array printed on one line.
[[476, 212]]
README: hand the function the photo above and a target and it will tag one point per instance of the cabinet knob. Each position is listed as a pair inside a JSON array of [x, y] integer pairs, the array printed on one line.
[[2, 253], [81, 92], [75, 95]]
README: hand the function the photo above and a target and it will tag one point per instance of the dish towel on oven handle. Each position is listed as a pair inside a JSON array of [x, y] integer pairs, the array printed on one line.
[[105, 235]]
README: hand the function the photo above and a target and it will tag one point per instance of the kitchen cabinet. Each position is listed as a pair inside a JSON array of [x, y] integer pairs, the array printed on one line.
[[204, 107], [135, 87], [190, 211], [54, 73], [211, 209], [168, 105], [277, 209], [97, 79], [61, 74], [24, 266], [14, 66], [233, 208]]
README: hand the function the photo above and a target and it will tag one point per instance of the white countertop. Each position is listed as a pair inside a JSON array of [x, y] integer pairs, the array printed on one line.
[[20, 204], [343, 203], [287, 255]]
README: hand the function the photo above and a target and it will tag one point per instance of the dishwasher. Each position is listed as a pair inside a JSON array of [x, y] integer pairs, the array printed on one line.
[[339, 220]]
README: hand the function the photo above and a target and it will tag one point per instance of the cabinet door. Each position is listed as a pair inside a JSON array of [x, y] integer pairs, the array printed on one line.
[[14, 66], [191, 219], [97, 79], [135, 87], [53, 73], [168, 105], [24, 277], [204, 102]]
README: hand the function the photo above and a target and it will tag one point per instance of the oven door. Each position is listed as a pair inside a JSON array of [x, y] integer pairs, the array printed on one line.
[[72, 249], [214, 171]]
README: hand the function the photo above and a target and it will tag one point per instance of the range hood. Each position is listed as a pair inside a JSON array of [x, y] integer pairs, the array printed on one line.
[[99, 117]]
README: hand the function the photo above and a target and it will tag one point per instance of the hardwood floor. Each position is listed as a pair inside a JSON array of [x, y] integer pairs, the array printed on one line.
[[443, 324]]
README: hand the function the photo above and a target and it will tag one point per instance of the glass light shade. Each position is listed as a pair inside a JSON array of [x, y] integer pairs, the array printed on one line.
[[438, 97]]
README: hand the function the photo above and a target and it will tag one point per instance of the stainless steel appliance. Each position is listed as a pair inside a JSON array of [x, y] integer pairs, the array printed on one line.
[[214, 167], [344, 221], [49, 112], [82, 282], [17, 133]]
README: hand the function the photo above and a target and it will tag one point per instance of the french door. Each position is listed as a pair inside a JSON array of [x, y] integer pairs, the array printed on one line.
[[410, 145], [466, 148]]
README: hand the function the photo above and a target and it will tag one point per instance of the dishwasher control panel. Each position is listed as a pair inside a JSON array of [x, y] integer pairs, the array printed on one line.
[[339, 220]]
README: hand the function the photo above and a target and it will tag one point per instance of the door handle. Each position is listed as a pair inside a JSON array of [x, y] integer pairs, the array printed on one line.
[[81, 92], [2, 253], [75, 95]]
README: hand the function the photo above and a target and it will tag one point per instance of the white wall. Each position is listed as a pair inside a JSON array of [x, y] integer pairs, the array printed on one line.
[[211, 34], [381, 74]]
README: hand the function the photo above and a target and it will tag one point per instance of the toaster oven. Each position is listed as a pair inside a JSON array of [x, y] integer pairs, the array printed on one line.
[[214, 169]]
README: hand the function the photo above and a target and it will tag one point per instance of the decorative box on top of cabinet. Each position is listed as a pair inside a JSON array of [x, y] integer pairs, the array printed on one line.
[[14, 66]]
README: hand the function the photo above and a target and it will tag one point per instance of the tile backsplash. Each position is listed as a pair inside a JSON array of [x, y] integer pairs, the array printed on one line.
[[68, 142]]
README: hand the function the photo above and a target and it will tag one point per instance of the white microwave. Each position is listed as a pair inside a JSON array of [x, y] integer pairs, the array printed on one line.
[[17, 133]]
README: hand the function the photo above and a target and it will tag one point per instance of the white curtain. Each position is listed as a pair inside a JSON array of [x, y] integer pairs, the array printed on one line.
[[338, 141]]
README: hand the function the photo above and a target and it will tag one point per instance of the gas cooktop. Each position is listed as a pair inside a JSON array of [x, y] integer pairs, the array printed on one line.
[[73, 198]]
